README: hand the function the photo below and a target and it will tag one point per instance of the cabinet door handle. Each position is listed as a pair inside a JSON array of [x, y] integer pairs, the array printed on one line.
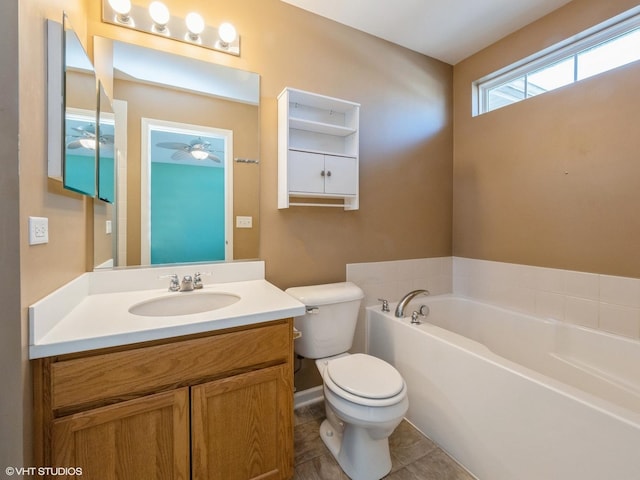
[[328, 173]]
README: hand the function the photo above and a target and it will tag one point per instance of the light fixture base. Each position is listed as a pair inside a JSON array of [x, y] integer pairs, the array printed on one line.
[[175, 28]]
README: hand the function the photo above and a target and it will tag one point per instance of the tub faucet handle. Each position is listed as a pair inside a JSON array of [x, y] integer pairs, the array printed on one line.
[[415, 317], [385, 304]]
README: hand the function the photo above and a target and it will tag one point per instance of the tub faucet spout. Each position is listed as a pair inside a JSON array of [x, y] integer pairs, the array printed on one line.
[[406, 299]]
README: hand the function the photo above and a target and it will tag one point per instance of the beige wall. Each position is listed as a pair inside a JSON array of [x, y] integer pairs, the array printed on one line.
[[42, 267], [406, 136], [406, 150], [551, 181]]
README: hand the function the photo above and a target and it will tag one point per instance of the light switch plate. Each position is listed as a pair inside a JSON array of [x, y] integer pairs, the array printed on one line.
[[38, 230], [244, 222]]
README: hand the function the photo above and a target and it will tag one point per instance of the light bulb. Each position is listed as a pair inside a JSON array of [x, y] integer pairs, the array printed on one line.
[[199, 154], [195, 24], [159, 14], [89, 143], [121, 7], [227, 33]]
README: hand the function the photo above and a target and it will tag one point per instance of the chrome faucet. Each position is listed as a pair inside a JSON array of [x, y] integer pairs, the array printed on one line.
[[187, 284], [406, 299]]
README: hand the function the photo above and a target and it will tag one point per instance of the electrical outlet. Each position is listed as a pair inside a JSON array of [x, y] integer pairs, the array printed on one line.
[[244, 222], [38, 230]]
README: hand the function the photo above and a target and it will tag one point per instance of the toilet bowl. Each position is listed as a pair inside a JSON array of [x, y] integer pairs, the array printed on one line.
[[358, 425], [365, 397]]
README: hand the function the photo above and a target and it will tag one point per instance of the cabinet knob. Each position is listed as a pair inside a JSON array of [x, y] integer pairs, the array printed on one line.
[[328, 173]]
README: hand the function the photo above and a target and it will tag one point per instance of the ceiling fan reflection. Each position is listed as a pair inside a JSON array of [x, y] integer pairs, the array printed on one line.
[[87, 138], [197, 148]]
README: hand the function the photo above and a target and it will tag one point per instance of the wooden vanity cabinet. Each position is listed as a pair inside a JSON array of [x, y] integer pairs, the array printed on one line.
[[211, 406]]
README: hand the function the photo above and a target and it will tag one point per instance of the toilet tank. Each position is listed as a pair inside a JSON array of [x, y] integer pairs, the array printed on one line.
[[330, 322]]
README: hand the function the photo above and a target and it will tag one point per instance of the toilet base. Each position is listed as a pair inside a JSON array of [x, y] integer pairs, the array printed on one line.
[[360, 456]]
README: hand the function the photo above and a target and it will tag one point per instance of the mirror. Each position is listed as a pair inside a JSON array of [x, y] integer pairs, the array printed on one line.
[[80, 110], [106, 148], [214, 111], [105, 227], [71, 110]]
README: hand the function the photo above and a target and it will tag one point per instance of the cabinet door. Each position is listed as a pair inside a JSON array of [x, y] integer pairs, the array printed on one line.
[[306, 172], [242, 426], [143, 438], [341, 175]]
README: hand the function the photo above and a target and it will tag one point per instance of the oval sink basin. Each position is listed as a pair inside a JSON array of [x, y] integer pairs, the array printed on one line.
[[186, 303]]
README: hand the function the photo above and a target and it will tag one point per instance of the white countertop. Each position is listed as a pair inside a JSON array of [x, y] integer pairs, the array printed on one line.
[[83, 316]]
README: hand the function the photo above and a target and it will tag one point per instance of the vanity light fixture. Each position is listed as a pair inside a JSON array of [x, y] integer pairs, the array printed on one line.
[[157, 20]]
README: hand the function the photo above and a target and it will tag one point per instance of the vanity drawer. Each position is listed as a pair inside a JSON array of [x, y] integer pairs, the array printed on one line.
[[142, 370]]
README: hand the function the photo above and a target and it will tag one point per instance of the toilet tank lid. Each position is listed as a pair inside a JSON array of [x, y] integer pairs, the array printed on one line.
[[313, 295]]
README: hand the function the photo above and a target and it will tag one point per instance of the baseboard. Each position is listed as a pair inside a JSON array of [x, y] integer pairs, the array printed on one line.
[[307, 397]]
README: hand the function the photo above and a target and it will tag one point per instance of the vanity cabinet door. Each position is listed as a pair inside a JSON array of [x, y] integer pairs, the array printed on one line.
[[242, 426], [145, 438]]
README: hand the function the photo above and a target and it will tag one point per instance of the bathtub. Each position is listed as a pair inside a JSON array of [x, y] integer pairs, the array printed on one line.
[[512, 396]]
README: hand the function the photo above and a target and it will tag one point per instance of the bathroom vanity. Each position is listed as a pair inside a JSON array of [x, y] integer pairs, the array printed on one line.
[[207, 401]]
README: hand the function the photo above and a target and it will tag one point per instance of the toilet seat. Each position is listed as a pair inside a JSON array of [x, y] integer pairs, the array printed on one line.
[[365, 380]]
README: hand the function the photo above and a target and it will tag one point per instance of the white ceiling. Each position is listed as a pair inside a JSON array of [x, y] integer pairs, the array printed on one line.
[[449, 30]]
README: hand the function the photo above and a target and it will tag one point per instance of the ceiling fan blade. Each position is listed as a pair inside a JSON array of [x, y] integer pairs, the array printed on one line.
[[214, 158], [106, 139], [173, 145], [181, 155], [73, 145]]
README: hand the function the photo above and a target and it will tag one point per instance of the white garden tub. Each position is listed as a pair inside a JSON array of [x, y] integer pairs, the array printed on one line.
[[512, 396]]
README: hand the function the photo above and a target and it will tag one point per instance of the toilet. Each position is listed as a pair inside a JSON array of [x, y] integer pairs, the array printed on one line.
[[365, 397]]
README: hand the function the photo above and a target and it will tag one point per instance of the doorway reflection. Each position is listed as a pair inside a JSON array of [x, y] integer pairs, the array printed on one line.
[[187, 189]]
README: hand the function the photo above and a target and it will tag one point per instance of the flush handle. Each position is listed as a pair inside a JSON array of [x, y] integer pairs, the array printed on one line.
[[313, 310]]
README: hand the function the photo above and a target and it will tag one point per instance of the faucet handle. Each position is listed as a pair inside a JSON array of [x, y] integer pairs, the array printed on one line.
[[385, 304], [197, 279], [414, 317], [174, 283]]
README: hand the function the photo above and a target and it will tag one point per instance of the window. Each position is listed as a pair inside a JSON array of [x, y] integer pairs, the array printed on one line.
[[605, 47]]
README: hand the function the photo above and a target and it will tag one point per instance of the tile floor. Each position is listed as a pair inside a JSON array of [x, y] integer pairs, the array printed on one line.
[[413, 456]]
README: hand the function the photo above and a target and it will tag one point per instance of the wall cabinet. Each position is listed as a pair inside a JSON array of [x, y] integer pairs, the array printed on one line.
[[218, 406], [318, 150]]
